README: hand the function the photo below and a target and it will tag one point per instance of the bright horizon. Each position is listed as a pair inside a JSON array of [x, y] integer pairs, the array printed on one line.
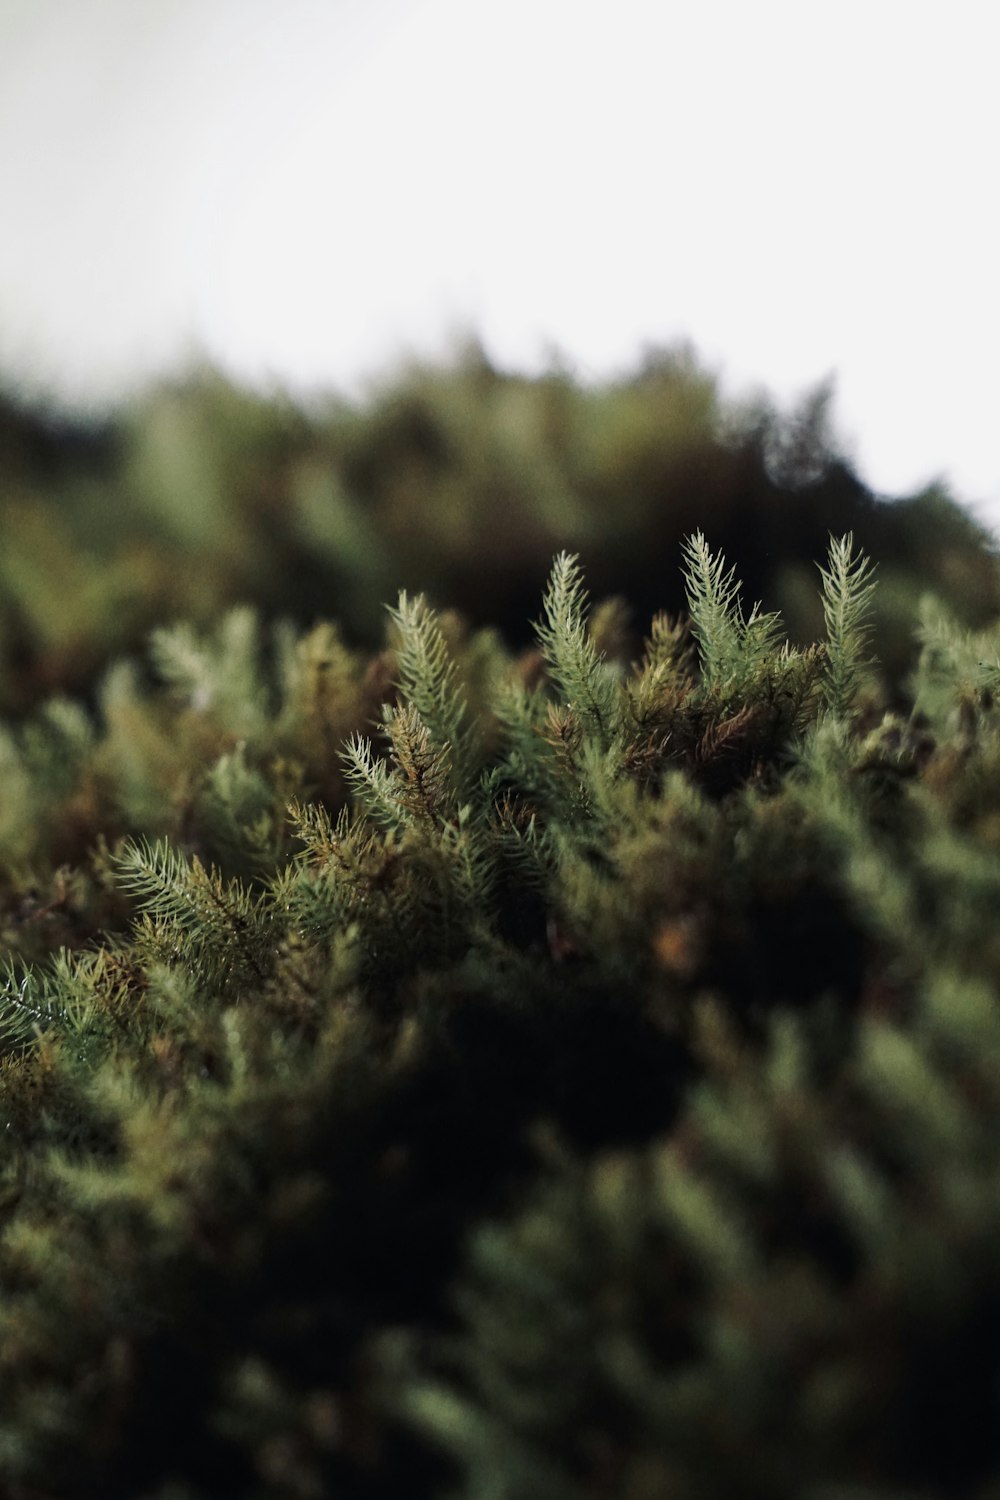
[[307, 193]]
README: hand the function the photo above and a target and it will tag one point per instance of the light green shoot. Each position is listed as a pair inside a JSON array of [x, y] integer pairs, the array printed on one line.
[[428, 679], [729, 645], [575, 666], [848, 588]]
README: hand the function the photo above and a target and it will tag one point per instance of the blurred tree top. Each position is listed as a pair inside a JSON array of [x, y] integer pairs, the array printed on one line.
[[462, 481]]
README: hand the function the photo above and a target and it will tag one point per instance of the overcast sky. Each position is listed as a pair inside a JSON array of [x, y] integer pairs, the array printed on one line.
[[308, 189]]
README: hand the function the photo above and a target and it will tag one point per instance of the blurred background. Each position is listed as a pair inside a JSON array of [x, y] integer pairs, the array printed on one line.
[[302, 301]]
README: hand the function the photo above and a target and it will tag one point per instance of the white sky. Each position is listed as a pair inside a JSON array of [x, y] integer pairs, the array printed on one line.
[[308, 189]]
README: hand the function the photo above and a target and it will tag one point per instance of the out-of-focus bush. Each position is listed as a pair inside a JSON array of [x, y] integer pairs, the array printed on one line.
[[461, 481]]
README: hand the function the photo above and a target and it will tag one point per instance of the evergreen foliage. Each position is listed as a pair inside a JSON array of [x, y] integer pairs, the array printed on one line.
[[467, 1072], [200, 496], [847, 596], [575, 667]]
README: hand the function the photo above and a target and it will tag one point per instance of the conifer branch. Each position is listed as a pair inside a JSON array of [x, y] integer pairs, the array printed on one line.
[[574, 665], [219, 921], [373, 783], [713, 604], [25, 1014], [314, 827], [848, 589], [335, 873], [424, 771], [62, 999], [428, 678], [729, 646]]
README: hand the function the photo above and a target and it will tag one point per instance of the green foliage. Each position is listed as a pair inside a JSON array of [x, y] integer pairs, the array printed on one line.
[[192, 913], [731, 647], [847, 595], [469, 1073], [575, 667], [460, 483], [427, 679]]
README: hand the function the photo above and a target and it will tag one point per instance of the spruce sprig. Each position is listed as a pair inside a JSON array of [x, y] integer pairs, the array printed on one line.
[[730, 646], [316, 830], [713, 605], [374, 784], [27, 1010], [423, 769], [335, 875], [848, 588], [215, 922], [575, 666], [428, 679], [65, 998]]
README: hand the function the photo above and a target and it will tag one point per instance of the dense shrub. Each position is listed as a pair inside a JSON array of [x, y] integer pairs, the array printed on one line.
[[466, 1070]]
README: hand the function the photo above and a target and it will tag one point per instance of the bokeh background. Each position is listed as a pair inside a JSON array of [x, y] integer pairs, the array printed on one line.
[[304, 302], [304, 191]]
